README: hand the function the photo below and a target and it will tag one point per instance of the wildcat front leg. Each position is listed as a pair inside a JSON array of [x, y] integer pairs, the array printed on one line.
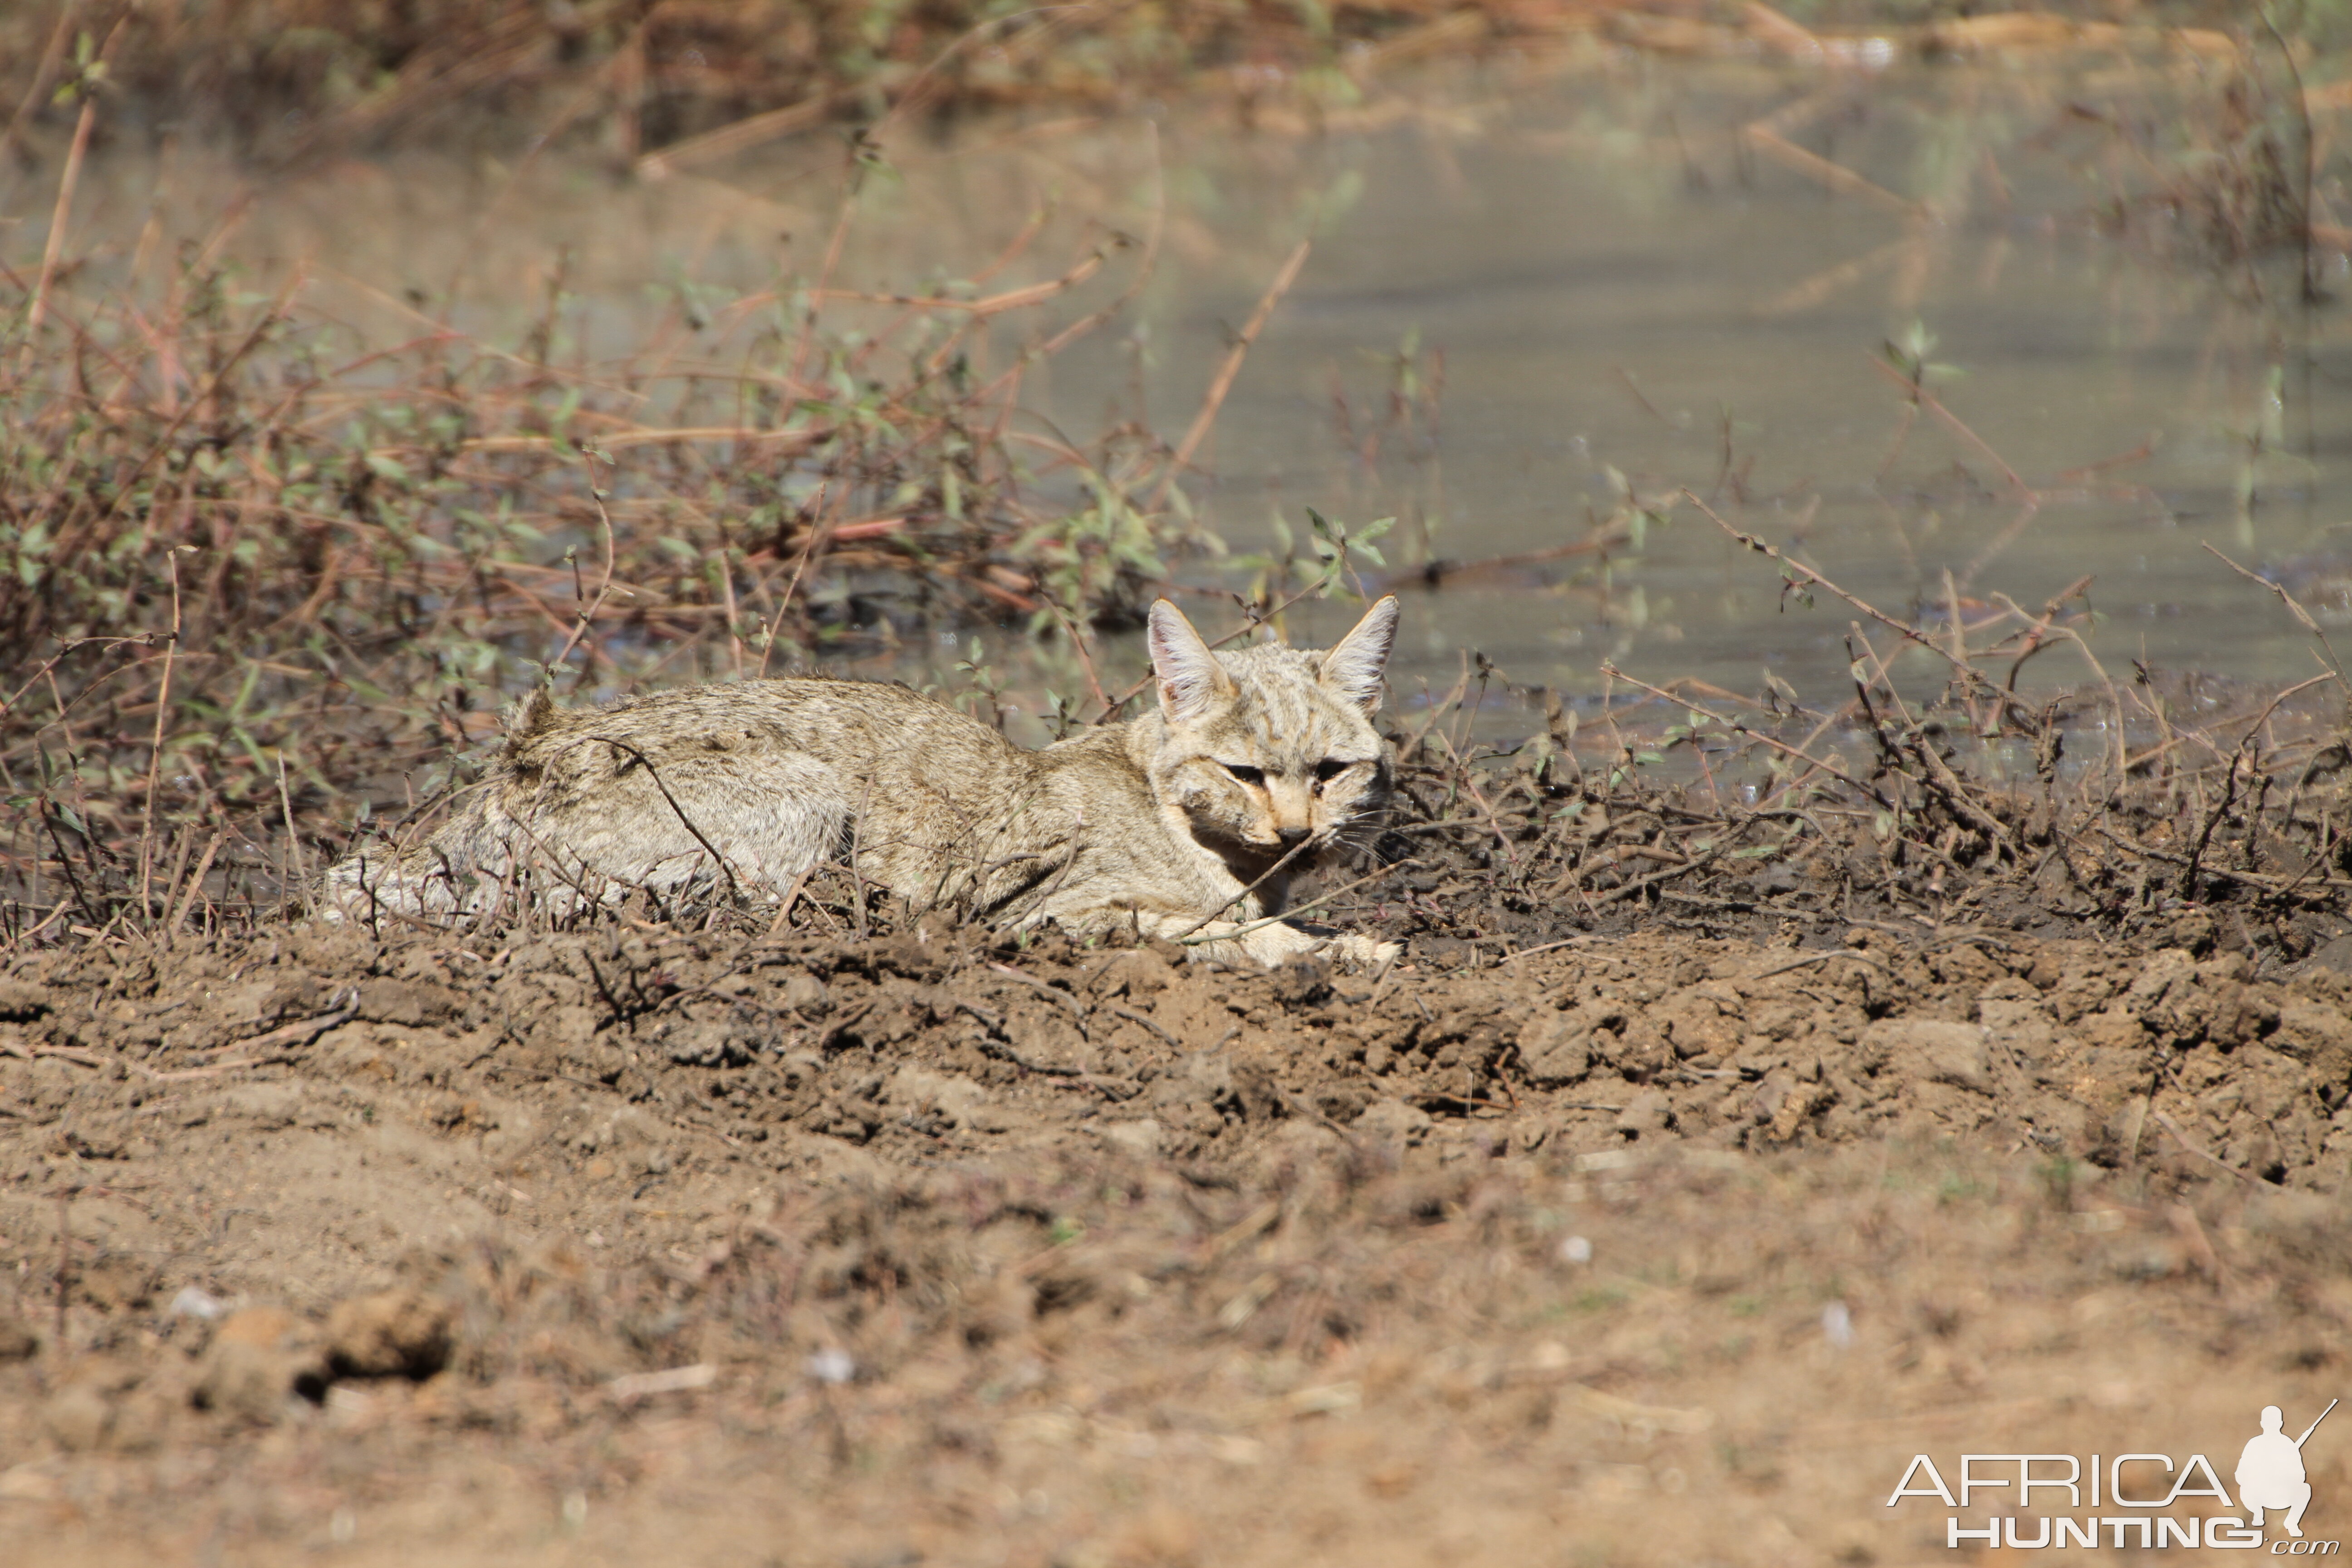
[[1269, 944], [1276, 944], [1361, 951]]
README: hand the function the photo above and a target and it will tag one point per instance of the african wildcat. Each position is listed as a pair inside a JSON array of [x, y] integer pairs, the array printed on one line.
[[1188, 821]]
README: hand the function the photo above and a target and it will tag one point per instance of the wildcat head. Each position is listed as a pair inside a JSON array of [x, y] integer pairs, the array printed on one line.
[[1270, 752]]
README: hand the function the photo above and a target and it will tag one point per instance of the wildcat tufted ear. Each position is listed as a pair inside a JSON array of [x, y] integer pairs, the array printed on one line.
[[1190, 675], [1352, 669], [529, 717]]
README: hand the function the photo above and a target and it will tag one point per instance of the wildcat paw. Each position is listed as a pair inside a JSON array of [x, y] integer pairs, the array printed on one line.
[[1362, 952]]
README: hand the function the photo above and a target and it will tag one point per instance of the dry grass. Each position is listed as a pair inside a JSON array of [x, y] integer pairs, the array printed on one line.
[[252, 565], [248, 560]]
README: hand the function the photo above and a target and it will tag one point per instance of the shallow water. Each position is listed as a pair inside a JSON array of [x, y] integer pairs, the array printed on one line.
[[1617, 293]]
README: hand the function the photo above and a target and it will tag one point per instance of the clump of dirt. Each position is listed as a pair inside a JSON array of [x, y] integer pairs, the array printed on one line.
[[1095, 1254]]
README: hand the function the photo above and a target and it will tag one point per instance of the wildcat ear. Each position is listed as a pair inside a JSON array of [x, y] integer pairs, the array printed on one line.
[[1353, 668], [529, 717], [1190, 675]]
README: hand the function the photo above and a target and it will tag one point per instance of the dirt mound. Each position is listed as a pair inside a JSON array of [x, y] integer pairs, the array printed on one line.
[[624, 1054], [1109, 1258]]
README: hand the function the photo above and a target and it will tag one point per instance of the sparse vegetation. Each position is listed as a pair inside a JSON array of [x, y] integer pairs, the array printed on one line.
[[1770, 1080]]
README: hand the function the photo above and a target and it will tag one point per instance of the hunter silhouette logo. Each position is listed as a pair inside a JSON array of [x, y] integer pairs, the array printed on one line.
[[2270, 1472]]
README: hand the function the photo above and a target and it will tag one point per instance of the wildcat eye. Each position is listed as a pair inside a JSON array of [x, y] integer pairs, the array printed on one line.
[[1330, 768], [1247, 776]]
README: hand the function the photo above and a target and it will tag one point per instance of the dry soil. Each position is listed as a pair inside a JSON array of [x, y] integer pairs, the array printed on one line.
[[646, 1246]]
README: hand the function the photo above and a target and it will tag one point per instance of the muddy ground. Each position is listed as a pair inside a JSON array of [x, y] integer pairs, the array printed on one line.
[[639, 1246]]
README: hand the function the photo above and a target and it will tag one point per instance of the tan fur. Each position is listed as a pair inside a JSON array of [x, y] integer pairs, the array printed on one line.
[[1158, 824]]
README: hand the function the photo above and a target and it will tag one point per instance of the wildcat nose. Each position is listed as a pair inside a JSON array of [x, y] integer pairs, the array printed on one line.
[[1292, 836]]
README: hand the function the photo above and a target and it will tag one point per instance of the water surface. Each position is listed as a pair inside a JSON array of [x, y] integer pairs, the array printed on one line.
[[1540, 296]]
